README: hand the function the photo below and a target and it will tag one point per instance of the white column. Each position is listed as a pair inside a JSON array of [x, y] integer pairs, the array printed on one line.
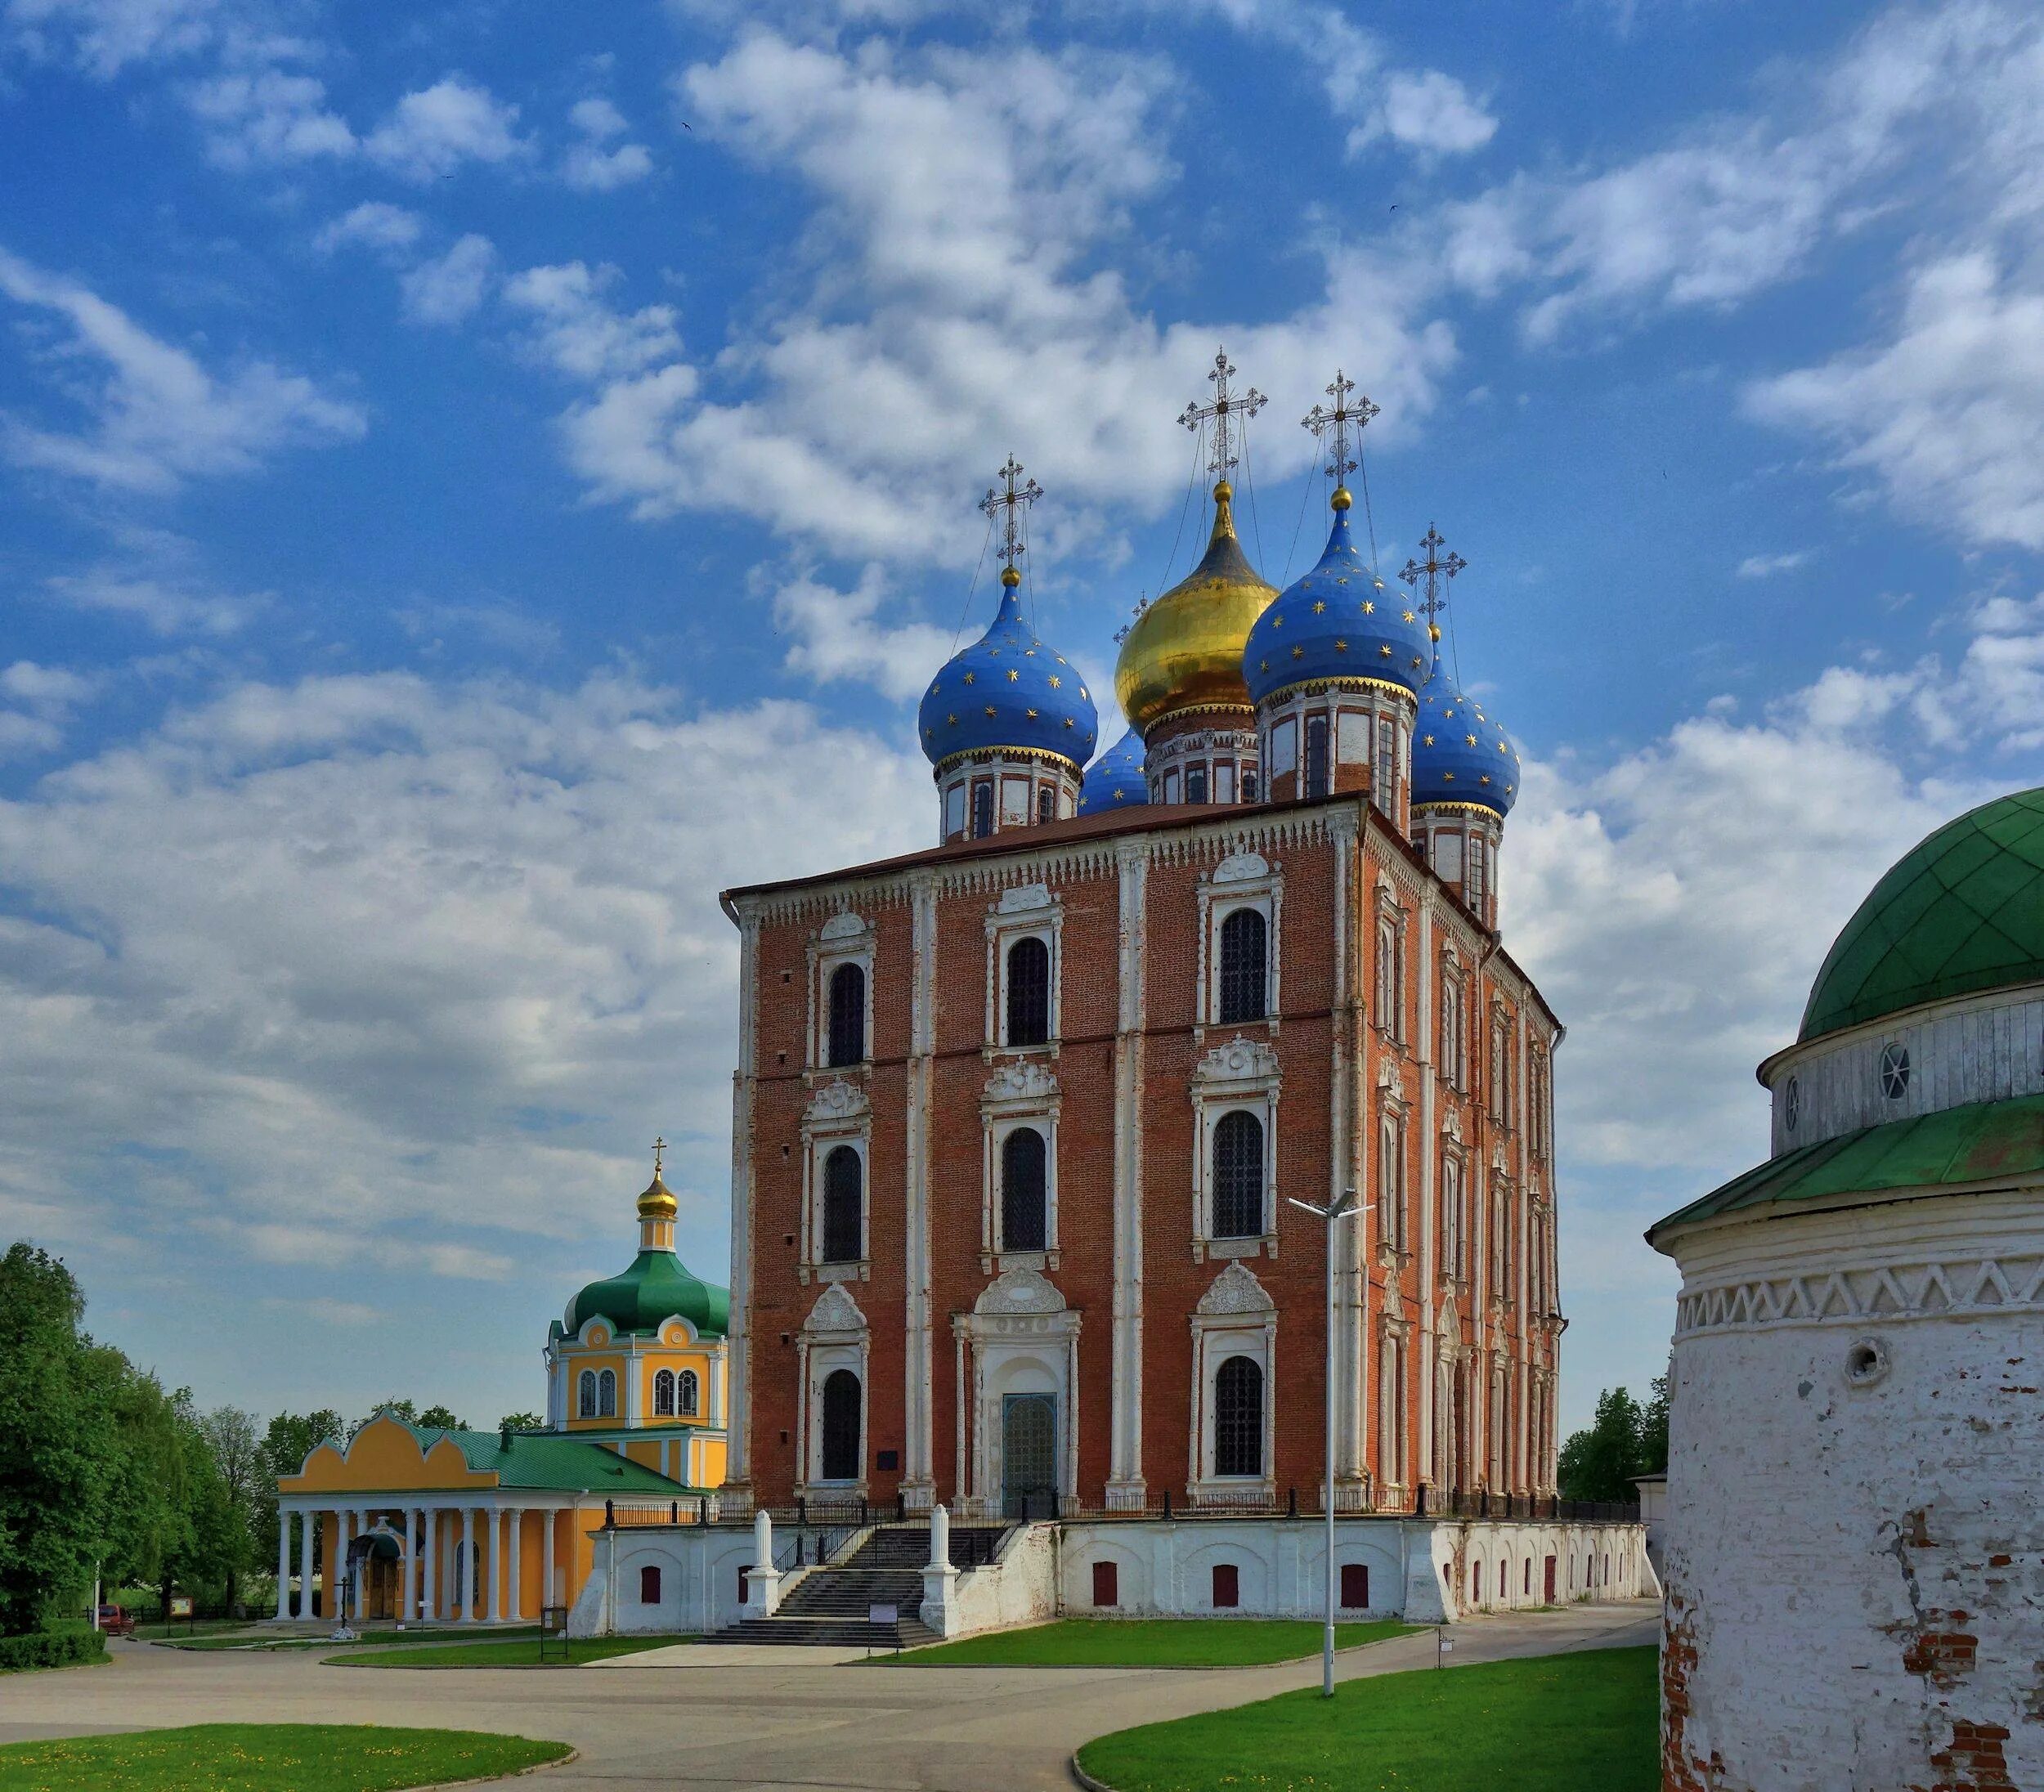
[[429, 1590], [309, 1523], [361, 1568], [517, 1554], [495, 1605], [546, 1559], [763, 1584], [284, 1561], [465, 1580], [412, 1563]]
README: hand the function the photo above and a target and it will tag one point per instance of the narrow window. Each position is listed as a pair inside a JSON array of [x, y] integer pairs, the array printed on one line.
[[1391, 1181], [1242, 969], [585, 1394], [664, 1394], [1355, 1586], [1387, 978], [840, 1426], [1227, 1585], [691, 1394], [1046, 803], [1107, 1584], [1476, 1583], [1029, 992], [1024, 1200], [1383, 784], [1249, 786], [607, 1396], [744, 1582], [1195, 784], [1238, 1417], [1472, 873], [982, 810], [1316, 755], [1529, 1574], [1503, 1588], [844, 1220], [1237, 1176], [649, 1586], [848, 1016]]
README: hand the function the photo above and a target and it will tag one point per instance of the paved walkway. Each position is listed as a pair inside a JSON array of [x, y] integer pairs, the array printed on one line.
[[791, 1726]]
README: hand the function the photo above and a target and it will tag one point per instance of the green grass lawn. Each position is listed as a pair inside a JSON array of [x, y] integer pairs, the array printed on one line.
[[1585, 1722], [497, 1652], [266, 1758], [1145, 1642]]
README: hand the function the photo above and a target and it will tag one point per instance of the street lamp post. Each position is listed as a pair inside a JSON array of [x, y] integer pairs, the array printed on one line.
[[1334, 1213]]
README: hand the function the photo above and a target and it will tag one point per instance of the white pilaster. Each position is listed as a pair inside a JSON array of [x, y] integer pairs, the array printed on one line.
[[309, 1523], [361, 1567], [430, 1587], [495, 1605], [1427, 1051], [738, 1475], [516, 1518], [284, 1562], [1125, 1484], [466, 1581], [919, 1482]]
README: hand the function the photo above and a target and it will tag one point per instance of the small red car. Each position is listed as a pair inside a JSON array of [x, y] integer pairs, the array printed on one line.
[[115, 1622]]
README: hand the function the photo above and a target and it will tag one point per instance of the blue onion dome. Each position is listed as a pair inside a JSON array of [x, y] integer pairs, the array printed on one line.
[[1460, 753], [1336, 622], [1008, 692], [1115, 779]]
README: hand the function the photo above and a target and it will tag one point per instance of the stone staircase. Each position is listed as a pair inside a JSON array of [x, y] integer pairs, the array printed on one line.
[[827, 1607]]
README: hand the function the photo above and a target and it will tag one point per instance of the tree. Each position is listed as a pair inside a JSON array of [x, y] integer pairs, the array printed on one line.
[[1653, 1431], [1599, 1463], [242, 1491], [440, 1418], [521, 1422], [290, 1438], [432, 1418]]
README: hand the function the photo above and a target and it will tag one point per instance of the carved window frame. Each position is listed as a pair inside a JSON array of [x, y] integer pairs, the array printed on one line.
[[1394, 1203], [1240, 881], [1022, 1093], [846, 939], [836, 1335], [839, 1113], [1241, 1076], [1023, 912], [1389, 1018], [1236, 1317]]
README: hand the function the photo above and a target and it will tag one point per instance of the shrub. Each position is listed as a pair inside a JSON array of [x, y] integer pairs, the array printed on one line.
[[51, 1649]]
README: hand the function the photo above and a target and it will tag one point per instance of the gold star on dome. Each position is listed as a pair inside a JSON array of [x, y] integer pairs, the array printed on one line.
[[951, 721], [1028, 653], [929, 734], [1116, 793], [1369, 608], [1059, 657], [1055, 681], [1277, 622], [1427, 741], [1342, 579], [1013, 674], [1340, 645], [1031, 713], [989, 712], [1263, 665], [972, 677], [1447, 712], [1319, 608], [1468, 740], [1409, 616], [1486, 777], [1449, 776], [1082, 692], [1384, 651], [1299, 653], [1068, 720], [935, 689]]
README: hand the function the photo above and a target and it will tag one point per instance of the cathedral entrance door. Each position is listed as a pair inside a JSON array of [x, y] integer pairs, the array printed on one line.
[[1029, 1456]]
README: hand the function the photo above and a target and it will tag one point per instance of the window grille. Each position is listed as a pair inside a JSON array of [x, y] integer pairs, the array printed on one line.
[[848, 1016], [1024, 1199], [1316, 755], [1238, 1417], [1196, 784], [1029, 992], [1046, 805], [1244, 969], [607, 1395], [1382, 777], [585, 1395], [982, 810], [844, 1221], [691, 1402], [1237, 1176], [664, 1394]]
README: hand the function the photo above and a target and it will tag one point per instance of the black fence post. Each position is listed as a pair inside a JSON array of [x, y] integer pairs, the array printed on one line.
[[1167, 1503], [702, 1510], [1419, 1501], [610, 1515], [1291, 1503], [802, 1509], [674, 1512]]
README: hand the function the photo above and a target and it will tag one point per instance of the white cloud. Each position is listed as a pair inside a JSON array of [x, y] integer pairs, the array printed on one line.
[[374, 225], [597, 164], [36, 701], [266, 114], [576, 330], [164, 607], [434, 131], [1949, 414], [838, 635], [1431, 111], [103, 37], [451, 286], [154, 416], [1766, 566]]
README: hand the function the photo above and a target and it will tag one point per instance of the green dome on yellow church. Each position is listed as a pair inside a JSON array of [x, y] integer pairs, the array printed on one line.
[[657, 1286], [1960, 914]]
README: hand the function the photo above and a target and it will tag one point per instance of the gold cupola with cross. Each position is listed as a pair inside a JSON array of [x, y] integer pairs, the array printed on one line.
[[1179, 677]]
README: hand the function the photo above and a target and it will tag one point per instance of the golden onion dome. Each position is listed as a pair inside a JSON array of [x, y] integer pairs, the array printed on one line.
[[1185, 651], [658, 1202]]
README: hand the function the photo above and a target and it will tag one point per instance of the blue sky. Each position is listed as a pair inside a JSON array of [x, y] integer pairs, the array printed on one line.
[[470, 491]]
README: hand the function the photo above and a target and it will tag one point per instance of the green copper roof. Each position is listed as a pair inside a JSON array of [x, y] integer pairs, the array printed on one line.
[[1985, 1141], [546, 1459], [655, 1287], [1961, 913]]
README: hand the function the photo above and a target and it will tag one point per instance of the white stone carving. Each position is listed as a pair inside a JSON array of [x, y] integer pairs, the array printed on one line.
[[1235, 1290], [1019, 1291], [835, 1311], [844, 925], [1022, 898], [1239, 1060], [1028, 1079], [837, 1100], [1928, 1290], [1240, 867]]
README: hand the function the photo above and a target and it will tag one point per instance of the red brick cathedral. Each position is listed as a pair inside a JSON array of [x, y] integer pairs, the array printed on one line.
[[1019, 1119]]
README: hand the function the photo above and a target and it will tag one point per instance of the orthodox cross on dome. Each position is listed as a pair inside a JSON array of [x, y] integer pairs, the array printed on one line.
[[1435, 569], [1341, 417], [1227, 406], [660, 1147], [1011, 502]]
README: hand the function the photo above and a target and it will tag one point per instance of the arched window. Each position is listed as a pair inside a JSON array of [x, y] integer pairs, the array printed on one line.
[[840, 1426], [848, 1016], [1196, 784], [607, 1395], [982, 810], [1388, 978], [1029, 992], [1249, 786], [585, 1394], [1242, 966], [649, 1586], [1237, 1176], [1390, 1182], [844, 1217], [664, 1394], [1383, 774], [1046, 803], [1024, 1199], [1316, 755], [1238, 1417], [691, 1394]]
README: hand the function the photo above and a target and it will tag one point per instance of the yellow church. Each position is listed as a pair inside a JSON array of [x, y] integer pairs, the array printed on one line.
[[488, 1527]]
